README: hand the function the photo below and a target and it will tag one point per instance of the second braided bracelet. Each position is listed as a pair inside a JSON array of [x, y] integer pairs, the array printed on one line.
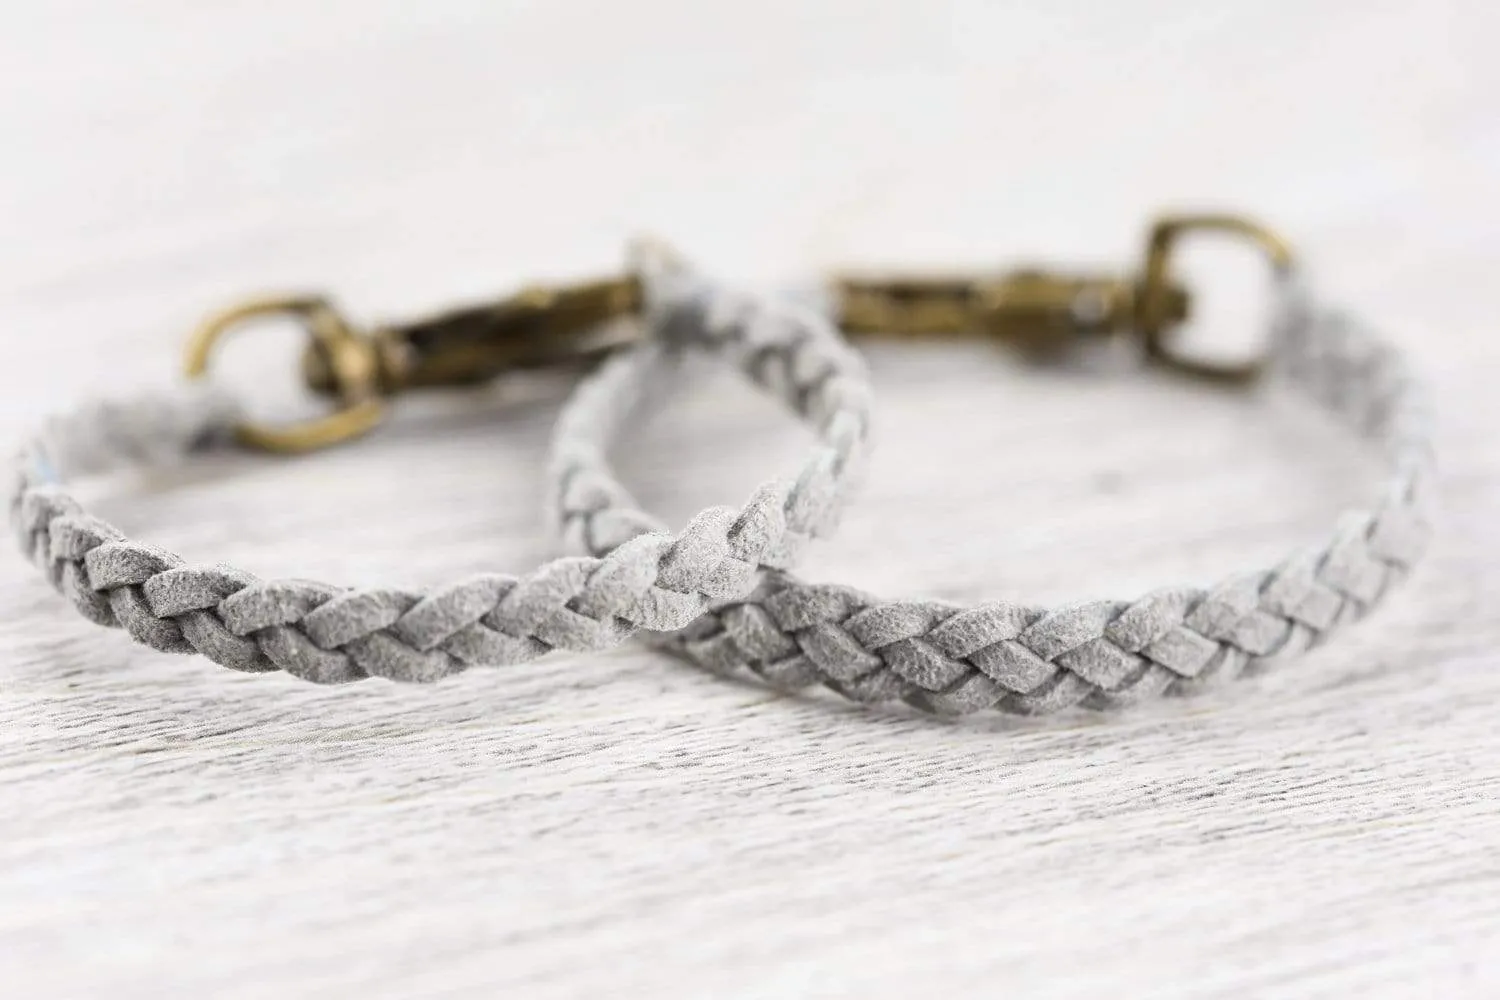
[[1032, 660]]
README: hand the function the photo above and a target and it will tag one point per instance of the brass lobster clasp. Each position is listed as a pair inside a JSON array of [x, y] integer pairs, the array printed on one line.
[[536, 327], [1046, 311]]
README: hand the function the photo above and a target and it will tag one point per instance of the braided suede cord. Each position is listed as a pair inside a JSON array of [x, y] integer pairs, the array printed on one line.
[[1031, 660], [329, 634]]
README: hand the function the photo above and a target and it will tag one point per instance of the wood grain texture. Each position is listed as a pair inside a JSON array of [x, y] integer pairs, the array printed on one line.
[[623, 825]]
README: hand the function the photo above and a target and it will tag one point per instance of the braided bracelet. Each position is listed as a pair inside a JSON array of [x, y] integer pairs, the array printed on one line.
[[1031, 660], [331, 634]]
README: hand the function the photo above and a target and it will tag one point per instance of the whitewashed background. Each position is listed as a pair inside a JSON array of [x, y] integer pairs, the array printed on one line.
[[620, 824]]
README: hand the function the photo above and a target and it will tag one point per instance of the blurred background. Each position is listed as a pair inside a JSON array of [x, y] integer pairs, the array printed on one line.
[[406, 153]]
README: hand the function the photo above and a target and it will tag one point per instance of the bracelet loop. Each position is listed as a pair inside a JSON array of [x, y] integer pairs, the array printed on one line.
[[328, 634], [1025, 659]]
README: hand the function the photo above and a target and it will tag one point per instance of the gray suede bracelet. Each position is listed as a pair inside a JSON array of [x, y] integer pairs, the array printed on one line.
[[328, 634], [1030, 660]]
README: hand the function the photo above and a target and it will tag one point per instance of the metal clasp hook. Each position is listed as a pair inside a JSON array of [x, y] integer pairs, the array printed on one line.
[[1046, 312], [536, 327]]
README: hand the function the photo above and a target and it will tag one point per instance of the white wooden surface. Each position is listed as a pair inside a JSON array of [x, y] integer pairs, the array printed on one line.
[[622, 825]]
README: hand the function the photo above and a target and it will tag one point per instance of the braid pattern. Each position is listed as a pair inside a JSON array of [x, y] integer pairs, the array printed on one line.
[[1029, 660], [328, 634]]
